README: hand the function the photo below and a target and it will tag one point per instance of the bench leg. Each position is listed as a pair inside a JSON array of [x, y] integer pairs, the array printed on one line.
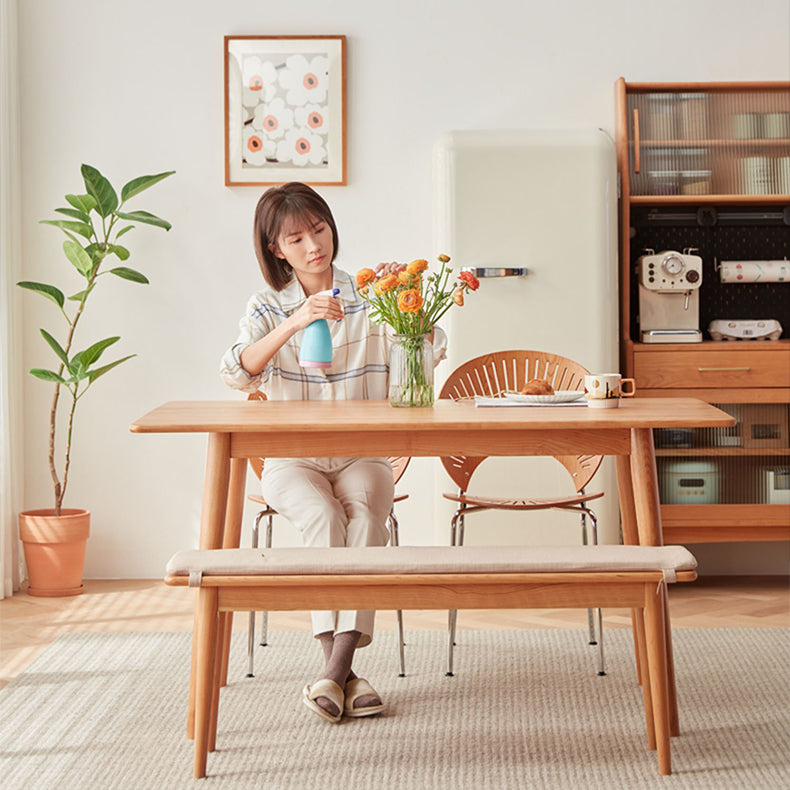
[[204, 682], [655, 631], [642, 667]]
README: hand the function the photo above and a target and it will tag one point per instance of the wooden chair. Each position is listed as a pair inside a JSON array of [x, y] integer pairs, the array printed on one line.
[[492, 375], [398, 464]]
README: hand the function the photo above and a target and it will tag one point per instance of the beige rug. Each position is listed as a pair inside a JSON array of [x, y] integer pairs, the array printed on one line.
[[525, 710]]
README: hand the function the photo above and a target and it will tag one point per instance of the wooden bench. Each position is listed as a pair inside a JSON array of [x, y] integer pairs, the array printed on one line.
[[433, 577]]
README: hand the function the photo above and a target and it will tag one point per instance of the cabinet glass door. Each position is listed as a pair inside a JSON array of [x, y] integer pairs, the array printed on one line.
[[700, 143], [748, 463]]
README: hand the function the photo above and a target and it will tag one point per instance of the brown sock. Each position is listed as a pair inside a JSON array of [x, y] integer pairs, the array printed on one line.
[[339, 653]]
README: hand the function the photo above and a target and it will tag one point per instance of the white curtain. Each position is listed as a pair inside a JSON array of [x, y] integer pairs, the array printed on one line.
[[10, 272]]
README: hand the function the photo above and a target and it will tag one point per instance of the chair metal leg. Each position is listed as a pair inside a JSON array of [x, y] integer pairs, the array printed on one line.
[[265, 615], [598, 614], [251, 626], [456, 539], [392, 523]]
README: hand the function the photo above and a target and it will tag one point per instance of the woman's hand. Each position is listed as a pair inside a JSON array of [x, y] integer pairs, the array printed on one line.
[[390, 268], [317, 306]]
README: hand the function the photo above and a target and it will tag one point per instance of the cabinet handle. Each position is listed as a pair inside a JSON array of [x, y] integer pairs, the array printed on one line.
[[723, 370], [637, 152]]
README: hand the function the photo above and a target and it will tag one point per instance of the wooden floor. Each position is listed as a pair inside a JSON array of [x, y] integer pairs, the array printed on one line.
[[28, 624]]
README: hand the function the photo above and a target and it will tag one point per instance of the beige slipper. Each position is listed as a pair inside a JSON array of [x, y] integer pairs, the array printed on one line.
[[324, 688], [356, 688]]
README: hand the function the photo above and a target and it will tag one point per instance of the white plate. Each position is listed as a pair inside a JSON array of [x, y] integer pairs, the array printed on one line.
[[560, 396]]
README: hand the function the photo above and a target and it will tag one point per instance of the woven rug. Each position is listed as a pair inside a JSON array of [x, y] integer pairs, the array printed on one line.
[[525, 710]]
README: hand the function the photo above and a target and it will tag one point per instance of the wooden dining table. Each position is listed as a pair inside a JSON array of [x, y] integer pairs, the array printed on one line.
[[239, 430]]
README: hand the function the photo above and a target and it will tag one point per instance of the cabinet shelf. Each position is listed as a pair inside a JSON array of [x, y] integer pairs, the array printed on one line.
[[706, 200], [725, 451], [753, 142]]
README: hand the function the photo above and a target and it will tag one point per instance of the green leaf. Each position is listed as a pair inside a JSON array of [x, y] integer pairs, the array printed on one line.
[[100, 189], [80, 295], [137, 185], [94, 374], [124, 230], [47, 375], [55, 294], [76, 213], [82, 202], [67, 225], [145, 217], [87, 357], [129, 274], [121, 252], [55, 346], [81, 260]]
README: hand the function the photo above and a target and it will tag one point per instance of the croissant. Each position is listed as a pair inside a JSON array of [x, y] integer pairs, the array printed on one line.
[[537, 387]]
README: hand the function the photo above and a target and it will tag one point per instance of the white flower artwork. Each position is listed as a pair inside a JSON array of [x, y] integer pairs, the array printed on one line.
[[285, 109]]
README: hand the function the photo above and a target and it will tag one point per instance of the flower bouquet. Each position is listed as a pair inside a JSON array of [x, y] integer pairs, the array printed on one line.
[[412, 302]]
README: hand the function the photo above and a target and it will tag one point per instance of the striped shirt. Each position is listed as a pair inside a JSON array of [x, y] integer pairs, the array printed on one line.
[[360, 349]]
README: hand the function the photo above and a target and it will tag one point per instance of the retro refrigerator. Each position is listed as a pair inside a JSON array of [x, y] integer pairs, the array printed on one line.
[[534, 213]]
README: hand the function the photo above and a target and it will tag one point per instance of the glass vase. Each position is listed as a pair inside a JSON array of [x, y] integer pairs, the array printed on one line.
[[411, 371]]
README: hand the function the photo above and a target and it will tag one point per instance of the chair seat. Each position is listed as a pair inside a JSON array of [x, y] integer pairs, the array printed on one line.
[[259, 500], [537, 503]]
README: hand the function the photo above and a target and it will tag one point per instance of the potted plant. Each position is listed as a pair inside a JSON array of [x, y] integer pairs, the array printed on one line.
[[55, 538]]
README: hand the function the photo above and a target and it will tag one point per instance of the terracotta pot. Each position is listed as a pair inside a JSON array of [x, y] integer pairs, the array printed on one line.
[[55, 550]]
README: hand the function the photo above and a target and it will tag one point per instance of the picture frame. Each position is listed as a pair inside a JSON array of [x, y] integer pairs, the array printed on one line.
[[285, 110]]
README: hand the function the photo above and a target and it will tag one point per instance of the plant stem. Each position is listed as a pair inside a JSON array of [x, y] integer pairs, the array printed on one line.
[[60, 487]]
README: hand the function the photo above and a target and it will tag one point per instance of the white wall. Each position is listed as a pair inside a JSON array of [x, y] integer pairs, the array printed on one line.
[[135, 88]]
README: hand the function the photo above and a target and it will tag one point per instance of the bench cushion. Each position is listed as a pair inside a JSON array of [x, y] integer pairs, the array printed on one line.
[[430, 559]]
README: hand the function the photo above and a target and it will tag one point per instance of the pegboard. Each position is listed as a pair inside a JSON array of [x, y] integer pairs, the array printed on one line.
[[743, 234]]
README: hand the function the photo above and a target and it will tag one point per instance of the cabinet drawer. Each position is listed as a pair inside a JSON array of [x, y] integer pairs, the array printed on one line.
[[719, 368]]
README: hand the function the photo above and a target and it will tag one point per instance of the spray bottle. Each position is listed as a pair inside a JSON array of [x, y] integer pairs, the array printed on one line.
[[316, 348]]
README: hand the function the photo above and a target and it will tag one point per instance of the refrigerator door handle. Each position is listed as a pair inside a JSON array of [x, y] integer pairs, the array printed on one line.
[[487, 271]]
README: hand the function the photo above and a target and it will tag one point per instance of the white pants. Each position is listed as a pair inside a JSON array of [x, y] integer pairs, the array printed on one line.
[[333, 502]]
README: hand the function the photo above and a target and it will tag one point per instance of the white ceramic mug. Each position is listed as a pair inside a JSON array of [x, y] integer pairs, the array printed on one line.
[[604, 390]]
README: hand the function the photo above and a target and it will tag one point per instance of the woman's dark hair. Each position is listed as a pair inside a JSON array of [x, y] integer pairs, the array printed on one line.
[[294, 202]]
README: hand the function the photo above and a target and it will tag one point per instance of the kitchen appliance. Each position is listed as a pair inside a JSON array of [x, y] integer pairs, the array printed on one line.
[[767, 329], [534, 214], [776, 485], [669, 285], [690, 483]]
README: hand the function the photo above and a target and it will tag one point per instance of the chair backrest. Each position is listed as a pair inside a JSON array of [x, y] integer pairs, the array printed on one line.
[[398, 464], [507, 371]]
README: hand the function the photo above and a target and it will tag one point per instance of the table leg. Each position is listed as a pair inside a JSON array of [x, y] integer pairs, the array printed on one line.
[[648, 515], [234, 514], [212, 524], [625, 489]]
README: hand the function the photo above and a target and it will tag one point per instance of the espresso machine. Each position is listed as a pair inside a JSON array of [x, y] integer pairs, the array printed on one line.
[[669, 284]]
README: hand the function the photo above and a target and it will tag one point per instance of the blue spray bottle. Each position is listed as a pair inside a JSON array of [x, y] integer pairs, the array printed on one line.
[[316, 348]]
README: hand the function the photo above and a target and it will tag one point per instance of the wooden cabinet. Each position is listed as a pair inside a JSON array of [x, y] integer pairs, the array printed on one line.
[[705, 170]]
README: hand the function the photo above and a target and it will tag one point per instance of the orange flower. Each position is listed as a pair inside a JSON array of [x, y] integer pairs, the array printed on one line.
[[410, 301], [365, 276], [458, 296], [417, 267], [404, 277], [386, 284], [444, 258], [469, 280]]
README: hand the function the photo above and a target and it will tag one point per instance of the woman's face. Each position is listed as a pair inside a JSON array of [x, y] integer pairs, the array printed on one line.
[[307, 246]]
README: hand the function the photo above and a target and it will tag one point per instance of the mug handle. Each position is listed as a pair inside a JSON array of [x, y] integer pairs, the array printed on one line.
[[631, 392]]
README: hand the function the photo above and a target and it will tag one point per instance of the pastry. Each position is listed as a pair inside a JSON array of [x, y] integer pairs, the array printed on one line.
[[537, 387]]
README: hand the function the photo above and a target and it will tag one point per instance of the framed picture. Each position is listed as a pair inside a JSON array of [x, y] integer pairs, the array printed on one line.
[[285, 110]]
